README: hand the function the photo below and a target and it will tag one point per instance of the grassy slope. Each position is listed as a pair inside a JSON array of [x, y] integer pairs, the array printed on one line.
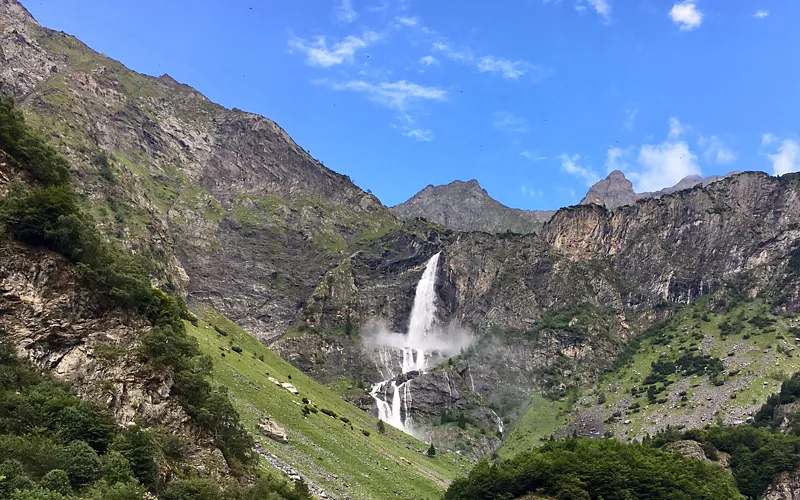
[[323, 448], [763, 356]]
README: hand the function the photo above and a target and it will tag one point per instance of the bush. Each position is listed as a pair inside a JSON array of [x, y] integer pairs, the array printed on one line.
[[27, 148], [328, 412], [594, 468], [56, 480], [81, 463]]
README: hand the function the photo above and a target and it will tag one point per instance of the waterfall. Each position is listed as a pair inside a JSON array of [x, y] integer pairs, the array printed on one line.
[[420, 325]]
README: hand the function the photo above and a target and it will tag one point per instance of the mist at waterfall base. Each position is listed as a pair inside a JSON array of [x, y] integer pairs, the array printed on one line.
[[402, 356]]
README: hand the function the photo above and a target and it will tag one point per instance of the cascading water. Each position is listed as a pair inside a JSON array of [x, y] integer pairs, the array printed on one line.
[[420, 325]]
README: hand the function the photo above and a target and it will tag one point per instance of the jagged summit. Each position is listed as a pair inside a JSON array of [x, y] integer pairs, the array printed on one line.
[[466, 206], [616, 190], [613, 191]]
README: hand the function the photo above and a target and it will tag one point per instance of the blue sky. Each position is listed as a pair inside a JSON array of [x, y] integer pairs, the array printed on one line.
[[536, 99]]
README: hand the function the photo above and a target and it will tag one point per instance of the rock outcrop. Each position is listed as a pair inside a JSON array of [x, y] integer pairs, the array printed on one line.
[[272, 430], [466, 206]]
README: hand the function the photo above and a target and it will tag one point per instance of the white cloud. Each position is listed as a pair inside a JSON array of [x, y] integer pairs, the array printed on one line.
[[319, 54], [429, 61], [407, 21], [676, 129], [615, 158], [787, 159], [768, 139], [533, 193], [569, 164], [395, 95], [686, 15], [663, 165], [463, 56], [715, 151], [603, 8], [630, 118], [420, 135], [532, 156], [509, 122], [508, 69], [345, 12], [761, 14]]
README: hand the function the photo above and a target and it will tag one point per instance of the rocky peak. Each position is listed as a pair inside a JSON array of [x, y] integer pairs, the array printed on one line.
[[12, 12], [613, 191], [466, 206]]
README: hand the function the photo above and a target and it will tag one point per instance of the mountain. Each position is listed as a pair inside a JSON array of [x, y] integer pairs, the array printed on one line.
[[210, 193], [678, 310], [466, 206], [613, 191], [616, 190]]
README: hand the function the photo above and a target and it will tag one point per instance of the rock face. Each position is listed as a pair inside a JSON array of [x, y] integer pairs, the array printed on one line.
[[209, 193], [465, 206], [787, 487], [612, 192]]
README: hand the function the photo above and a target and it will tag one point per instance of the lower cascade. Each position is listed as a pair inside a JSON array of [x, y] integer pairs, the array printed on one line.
[[423, 346]]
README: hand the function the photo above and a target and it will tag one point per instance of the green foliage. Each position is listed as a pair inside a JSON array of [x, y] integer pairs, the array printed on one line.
[[758, 456], [138, 447], [30, 150], [586, 468], [789, 393], [381, 427], [431, 451], [56, 480], [80, 462]]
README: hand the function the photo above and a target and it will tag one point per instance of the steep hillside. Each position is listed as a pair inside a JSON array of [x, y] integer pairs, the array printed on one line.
[[466, 206], [210, 193]]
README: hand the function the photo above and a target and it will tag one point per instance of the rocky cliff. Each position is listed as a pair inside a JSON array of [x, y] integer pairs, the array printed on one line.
[[238, 215], [466, 206]]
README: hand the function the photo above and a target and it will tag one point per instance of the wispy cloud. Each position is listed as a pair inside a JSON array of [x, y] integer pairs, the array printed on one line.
[[630, 118], [345, 12], [761, 14], [676, 128], [686, 15], [533, 156], [569, 164], [319, 54], [716, 152], [615, 159], [509, 122], [533, 193], [508, 69], [395, 95], [603, 8], [787, 158], [429, 61], [407, 21], [768, 139], [419, 134]]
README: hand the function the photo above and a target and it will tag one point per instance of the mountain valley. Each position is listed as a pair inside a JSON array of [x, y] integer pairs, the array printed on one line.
[[196, 277]]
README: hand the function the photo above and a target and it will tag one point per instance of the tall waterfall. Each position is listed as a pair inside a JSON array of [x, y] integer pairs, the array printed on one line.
[[420, 325]]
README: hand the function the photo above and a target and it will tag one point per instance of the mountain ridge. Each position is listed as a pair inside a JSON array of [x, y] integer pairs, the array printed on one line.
[[466, 206]]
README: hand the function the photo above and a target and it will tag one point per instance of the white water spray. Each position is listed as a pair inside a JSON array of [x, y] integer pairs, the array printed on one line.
[[416, 349]]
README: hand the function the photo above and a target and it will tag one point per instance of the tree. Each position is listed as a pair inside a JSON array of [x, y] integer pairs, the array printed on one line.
[[56, 480], [348, 325], [381, 427], [431, 450], [80, 462]]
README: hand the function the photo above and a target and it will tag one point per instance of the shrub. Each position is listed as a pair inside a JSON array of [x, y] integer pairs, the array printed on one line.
[[56, 480], [31, 151]]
